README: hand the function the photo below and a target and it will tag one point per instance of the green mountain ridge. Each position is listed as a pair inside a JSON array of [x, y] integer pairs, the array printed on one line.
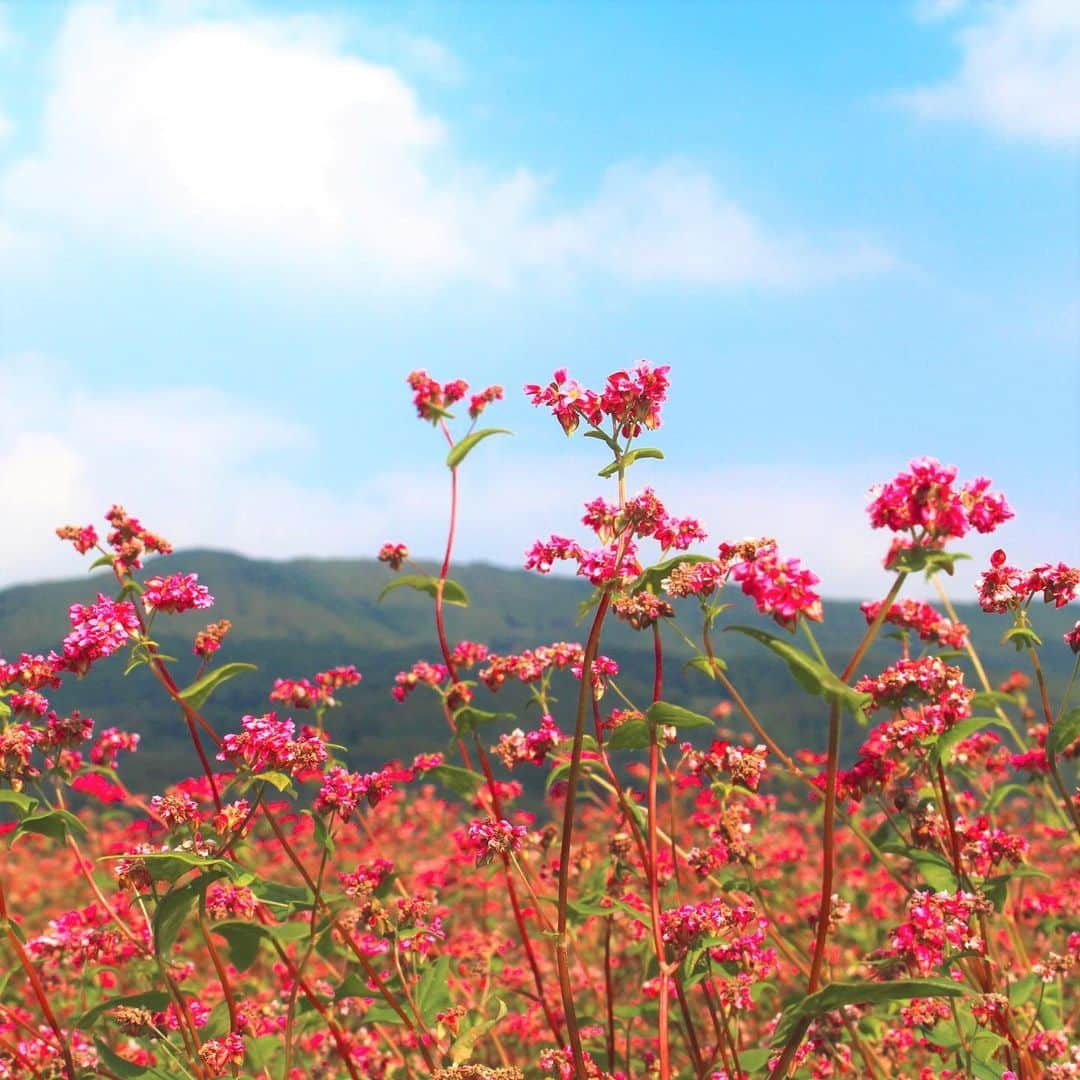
[[296, 617]]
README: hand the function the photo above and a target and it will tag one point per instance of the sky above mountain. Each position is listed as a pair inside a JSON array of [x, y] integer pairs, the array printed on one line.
[[228, 231]]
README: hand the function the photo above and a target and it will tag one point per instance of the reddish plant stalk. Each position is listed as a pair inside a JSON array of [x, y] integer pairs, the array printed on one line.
[[653, 867], [36, 985]]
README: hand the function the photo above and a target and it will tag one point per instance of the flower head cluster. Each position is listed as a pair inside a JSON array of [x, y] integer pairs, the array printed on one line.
[[342, 791], [432, 399], [744, 765], [919, 616], [221, 1056], [208, 641], [532, 664], [1004, 588], [493, 837], [267, 743], [925, 498], [109, 743], [690, 924], [127, 537], [32, 672], [532, 747], [1072, 638], [175, 593], [422, 673], [98, 630], [936, 924], [631, 400], [394, 555], [305, 694], [779, 587]]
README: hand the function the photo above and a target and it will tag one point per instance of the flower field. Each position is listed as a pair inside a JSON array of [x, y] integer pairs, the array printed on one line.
[[690, 898]]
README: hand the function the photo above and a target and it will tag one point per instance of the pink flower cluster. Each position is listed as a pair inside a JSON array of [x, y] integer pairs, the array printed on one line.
[[919, 616], [432, 399], [1004, 588], [936, 923], [267, 743], [614, 563], [127, 537], [422, 673], [98, 630], [304, 694], [926, 499], [109, 743], [175, 593], [495, 837], [532, 665], [393, 554], [532, 747], [780, 588], [342, 791], [744, 765], [630, 399], [221, 1056]]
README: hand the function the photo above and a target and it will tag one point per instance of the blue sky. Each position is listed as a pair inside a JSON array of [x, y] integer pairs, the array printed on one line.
[[228, 231]]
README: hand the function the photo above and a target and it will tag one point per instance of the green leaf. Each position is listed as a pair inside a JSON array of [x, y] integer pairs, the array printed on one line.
[[198, 693], [243, 939], [453, 593], [664, 714], [169, 865], [838, 994], [997, 887], [706, 666], [629, 458], [277, 895], [153, 1000], [433, 993], [5, 710], [121, 1067], [935, 869], [281, 781], [466, 1042], [1022, 637], [913, 559], [23, 804], [172, 910], [991, 698], [463, 446], [629, 735], [463, 782], [468, 719], [649, 579], [322, 834], [101, 560], [1064, 733], [942, 748], [811, 675], [54, 824], [603, 436]]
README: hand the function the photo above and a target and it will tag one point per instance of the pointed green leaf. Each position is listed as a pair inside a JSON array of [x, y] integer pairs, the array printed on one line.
[[52, 823], [453, 593], [629, 735], [943, 746], [198, 693], [243, 939], [838, 994], [433, 993], [463, 782], [1064, 733], [23, 804], [813, 676], [663, 713], [462, 447], [153, 1000], [628, 459], [469, 719]]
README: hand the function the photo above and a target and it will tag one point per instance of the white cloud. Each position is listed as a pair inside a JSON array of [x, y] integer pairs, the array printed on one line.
[[263, 144], [199, 466], [1019, 74]]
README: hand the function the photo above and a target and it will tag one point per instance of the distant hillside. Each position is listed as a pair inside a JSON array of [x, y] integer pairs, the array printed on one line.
[[297, 617]]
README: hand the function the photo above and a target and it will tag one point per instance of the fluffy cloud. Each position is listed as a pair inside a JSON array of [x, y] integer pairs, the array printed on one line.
[[266, 145], [1019, 73], [205, 469]]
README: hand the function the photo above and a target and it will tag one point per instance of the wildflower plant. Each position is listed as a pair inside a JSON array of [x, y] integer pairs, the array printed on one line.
[[690, 901]]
